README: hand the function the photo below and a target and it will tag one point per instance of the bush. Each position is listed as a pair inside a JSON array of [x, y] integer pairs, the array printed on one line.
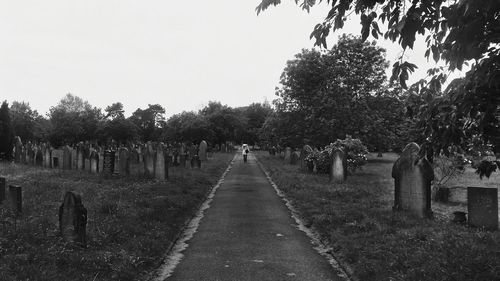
[[353, 148]]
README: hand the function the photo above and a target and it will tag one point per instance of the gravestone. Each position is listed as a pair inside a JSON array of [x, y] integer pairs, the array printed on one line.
[[2, 190], [80, 162], [203, 151], [149, 155], [73, 219], [16, 198], [160, 165], [306, 151], [94, 162], [192, 151], [223, 148], [338, 167], [74, 160], [66, 163], [196, 162], [287, 155], [412, 180], [123, 155], [57, 158], [108, 162], [18, 149], [183, 159], [100, 152], [294, 158], [134, 163], [39, 157], [482, 207]]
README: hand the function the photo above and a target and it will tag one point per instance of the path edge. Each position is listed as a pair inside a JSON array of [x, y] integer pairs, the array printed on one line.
[[174, 254], [342, 270]]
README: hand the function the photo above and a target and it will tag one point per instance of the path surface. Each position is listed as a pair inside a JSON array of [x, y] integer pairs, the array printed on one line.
[[248, 234]]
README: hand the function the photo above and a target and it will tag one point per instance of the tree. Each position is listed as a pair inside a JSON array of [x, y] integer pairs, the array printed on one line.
[[326, 95], [115, 111], [6, 132], [224, 121], [74, 120], [456, 32], [255, 116], [149, 121], [188, 126], [23, 120]]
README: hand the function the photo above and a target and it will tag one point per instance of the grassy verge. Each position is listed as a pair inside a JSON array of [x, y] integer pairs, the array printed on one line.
[[131, 222], [376, 243]]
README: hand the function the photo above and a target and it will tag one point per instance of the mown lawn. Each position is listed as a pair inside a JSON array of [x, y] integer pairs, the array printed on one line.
[[374, 242], [131, 222]]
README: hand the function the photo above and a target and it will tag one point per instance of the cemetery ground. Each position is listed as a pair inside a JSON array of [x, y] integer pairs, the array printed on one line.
[[373, 242], [131, 222]]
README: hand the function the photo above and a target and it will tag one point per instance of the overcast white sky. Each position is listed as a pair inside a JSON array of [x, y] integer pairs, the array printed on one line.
[[180, 54]]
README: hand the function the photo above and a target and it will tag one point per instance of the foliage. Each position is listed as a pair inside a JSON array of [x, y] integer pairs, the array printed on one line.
[[225, 122], [23, 120], [327, 95], [149, 121], [187, 126], [6, 132], [448, 167], [255, 116], [354, 150], [455, 32]]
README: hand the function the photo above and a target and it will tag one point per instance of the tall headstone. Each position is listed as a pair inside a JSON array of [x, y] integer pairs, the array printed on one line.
[[94, 162], [288, 155], [74, 159], [57, 158], [108, 162], [47, 158], [149, 155], [66, 163], [412, 178], [223, 148], [80, 162], [482, 207], [160, 165], [39, 157], [123, 155], [18, 149], [136, 168], [203, 151], [2, 189], [16, 198], [73, 219], [338, 167]]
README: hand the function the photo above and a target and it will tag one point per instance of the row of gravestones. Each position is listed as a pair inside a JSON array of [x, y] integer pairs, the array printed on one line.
[[150, 160], [413, 176]]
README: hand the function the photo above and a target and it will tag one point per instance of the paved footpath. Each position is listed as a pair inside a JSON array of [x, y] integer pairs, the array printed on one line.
[[248, 234]]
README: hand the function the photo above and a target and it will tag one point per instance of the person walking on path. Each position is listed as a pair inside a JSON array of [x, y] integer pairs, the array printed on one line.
[[245, 152]]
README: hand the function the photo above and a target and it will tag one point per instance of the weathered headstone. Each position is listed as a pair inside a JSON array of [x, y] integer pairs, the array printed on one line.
[[160, 165], [94, 162], [412, 178], [196, 162], [108, 162], [18, 149], [100, 152], [74, 160], [482, 207], [16, 198], [39, 157], [223, 148], [287, 155], [149, 155], [73, 219], [182, 159], [338, 167], [80, 162], [203, 151], [66, 163], [123, 155], [294, 158], [57, 158], [2, 189]]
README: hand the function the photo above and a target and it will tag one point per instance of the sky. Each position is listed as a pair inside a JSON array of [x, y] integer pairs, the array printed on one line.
[[179, 54]]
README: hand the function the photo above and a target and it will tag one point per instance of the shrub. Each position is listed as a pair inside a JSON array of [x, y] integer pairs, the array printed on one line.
[[353, 148]]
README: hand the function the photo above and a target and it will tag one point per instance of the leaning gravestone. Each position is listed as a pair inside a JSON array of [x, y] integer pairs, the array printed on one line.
[[160, 166], [123, 163], [287, 155], [412, 178], [73, 219], [203, 151], [338, 167], [482, 207]]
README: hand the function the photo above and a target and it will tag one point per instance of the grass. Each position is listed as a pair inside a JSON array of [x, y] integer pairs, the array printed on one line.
[[131, 222], [374, 242]]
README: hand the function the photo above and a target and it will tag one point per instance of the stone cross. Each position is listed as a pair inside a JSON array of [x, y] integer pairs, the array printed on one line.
[[413, 176], [73, 219]]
